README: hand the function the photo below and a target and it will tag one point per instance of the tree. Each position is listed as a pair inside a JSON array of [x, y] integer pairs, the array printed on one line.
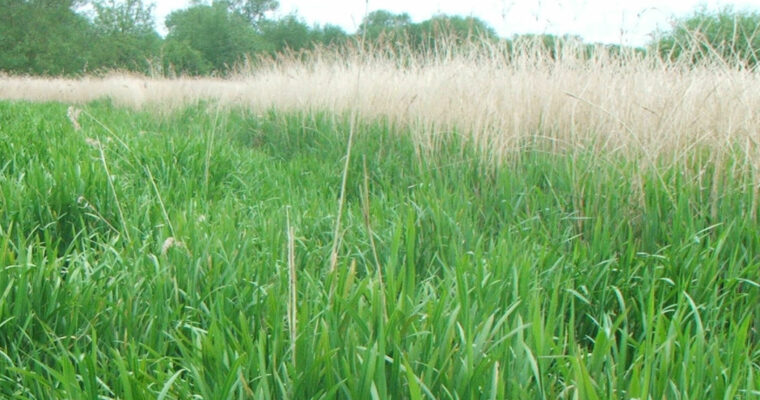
[[126, 34], [43, 37], [451, 30], [329, 35], [221, 37], [382, 24], [446, 30], [252, 10], [126, 17], [287, 33], [728, 35], [178, 57]]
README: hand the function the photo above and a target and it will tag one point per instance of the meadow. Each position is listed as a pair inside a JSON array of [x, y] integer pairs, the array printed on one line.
[[467, 224]]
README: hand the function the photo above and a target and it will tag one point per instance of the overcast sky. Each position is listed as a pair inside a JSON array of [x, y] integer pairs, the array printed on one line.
[[608, 21]]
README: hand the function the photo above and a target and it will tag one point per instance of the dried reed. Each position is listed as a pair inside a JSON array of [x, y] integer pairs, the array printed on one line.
[[500, 97]]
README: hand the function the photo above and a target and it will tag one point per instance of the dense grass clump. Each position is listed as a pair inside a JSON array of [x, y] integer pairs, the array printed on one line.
[[225, 254]]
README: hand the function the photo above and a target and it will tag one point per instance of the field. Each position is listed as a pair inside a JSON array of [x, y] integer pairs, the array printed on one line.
[[465, 225]]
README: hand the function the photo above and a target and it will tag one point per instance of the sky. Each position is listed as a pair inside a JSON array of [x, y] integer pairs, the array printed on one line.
[[628, 22]]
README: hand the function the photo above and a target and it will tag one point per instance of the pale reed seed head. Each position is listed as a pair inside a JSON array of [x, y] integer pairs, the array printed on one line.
[[92, 142], [169, 243], [73, 114]]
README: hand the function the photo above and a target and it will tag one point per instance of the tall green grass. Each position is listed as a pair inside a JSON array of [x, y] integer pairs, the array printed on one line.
[[189, 256]]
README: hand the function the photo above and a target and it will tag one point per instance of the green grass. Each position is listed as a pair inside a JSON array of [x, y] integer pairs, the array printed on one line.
[[552, 276]]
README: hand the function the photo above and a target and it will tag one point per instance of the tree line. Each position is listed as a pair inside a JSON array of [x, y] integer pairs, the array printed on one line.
[[76, 37]]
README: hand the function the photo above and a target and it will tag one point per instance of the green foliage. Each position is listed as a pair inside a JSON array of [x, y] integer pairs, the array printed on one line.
[[452, 31], [252, 10], [123, 17], [221, 37], [180, 58], [726, 36], [126, 37], [188, 255], [51, 37], [290, 33], [439, 32], [287, 33], [43, 37], [329, 35], [383, 24]]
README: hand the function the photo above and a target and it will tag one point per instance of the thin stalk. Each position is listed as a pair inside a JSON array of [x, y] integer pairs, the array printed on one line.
[[113, 191], [292, 319], [336, 232]]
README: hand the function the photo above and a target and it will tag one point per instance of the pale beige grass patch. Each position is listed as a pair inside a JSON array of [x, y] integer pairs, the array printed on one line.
[[502, 99]]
